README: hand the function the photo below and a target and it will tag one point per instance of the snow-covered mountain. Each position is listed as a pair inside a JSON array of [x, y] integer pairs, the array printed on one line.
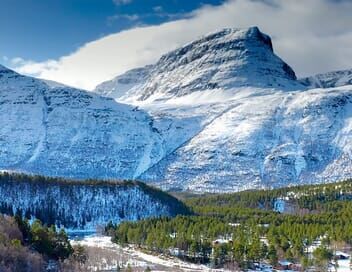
[[83, 205], [329, 80], [234, 117], [60, 131], [222, 113]]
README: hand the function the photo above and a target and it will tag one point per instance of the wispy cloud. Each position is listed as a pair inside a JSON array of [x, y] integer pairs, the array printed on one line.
[[138, 19], [312, 36], [128, 17], [158, 8], [121, 2]]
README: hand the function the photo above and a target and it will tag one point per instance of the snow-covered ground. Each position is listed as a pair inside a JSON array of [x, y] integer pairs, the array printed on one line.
[[138, 259], [344, 266]]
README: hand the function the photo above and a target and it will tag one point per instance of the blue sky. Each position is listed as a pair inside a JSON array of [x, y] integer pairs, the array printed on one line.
[[44, 29], [85, 42]]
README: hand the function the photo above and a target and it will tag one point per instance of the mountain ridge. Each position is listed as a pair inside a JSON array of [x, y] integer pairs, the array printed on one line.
[[329, 80]]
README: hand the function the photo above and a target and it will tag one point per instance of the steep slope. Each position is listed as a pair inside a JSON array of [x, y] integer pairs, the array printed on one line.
[[83, 204], [329, 80], [62, 131], [222, 60]]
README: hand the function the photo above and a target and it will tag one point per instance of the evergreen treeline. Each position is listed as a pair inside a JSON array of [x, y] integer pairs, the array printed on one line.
[[45, 240], [306, 196], [242, 228]]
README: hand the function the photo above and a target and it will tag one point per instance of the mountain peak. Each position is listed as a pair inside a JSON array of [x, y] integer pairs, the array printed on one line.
[[231, 57], [227, 38], [226, 59]]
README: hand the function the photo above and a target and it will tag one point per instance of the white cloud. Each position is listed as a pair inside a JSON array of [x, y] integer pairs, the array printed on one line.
[[32, 68], [312, 36]]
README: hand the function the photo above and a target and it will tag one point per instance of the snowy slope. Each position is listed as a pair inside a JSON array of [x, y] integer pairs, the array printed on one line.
[[265, 140], [62, 131], [329, 80]]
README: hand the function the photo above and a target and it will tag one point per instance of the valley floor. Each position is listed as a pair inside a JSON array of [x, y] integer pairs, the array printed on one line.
[[107, 256]]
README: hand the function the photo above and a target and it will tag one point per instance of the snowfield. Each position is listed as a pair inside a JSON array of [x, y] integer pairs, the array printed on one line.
[[259, 139]]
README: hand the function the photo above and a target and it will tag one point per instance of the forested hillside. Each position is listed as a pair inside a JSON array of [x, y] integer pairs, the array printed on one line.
[[83, 204]]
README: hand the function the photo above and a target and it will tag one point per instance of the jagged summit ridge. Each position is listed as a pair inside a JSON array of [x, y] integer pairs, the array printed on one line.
[[329, 80], [225, 59]]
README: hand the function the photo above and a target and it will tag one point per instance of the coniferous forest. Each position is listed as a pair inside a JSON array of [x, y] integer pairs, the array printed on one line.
[[83, 204], [241, 229]]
